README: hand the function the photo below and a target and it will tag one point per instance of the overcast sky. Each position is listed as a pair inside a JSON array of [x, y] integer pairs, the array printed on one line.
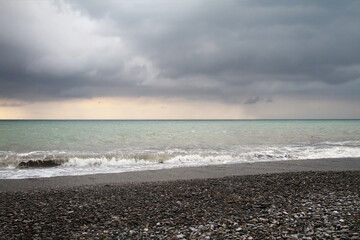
[[247, 59]]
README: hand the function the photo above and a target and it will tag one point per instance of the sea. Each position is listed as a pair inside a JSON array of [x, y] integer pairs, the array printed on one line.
[[49, 148]]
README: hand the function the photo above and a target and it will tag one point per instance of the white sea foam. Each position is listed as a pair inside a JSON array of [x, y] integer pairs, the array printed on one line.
[[103, 161], [59, 163]]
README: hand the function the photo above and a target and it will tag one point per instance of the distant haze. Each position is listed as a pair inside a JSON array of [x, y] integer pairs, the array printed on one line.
[[179, 59]]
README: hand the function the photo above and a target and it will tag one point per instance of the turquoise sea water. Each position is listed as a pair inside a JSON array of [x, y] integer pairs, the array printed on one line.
[[45, 148]]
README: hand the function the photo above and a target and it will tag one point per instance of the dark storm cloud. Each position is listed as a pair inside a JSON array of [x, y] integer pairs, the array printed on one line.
[[233, 51]]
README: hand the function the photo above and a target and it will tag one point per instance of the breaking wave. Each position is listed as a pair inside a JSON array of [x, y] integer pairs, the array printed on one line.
[[61, 163]]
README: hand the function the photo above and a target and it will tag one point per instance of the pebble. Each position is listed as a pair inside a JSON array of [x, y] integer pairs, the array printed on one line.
[[308, 205]]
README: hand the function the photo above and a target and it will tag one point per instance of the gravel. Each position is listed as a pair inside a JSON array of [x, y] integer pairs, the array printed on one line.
[[307, 205]]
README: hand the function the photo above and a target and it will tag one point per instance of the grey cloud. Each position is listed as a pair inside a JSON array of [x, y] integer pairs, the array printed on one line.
[[12, 104], [257, 99], [252, 100], [228, 51]]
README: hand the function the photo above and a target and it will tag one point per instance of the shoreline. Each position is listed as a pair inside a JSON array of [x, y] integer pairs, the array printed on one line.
[[185, 173]]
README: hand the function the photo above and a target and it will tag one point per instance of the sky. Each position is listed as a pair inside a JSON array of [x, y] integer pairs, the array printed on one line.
[[179, 59]]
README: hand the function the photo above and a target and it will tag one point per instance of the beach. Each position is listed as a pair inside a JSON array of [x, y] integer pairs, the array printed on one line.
[[266, 200], [179, 120]]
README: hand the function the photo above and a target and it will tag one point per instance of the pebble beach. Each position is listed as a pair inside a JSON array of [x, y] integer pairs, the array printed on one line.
[[298, 205]]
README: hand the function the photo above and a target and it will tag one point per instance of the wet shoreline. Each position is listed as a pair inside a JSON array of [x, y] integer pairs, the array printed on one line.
[[204, 172]]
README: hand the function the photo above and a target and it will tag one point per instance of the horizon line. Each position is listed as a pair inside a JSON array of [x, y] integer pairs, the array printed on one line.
[[171, 119]]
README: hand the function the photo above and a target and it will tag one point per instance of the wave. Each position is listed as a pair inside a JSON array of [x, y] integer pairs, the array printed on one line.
[[175, 157], [78, 160]]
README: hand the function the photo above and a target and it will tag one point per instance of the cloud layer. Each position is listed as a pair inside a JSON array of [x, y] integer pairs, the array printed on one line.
[[229, 51]]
